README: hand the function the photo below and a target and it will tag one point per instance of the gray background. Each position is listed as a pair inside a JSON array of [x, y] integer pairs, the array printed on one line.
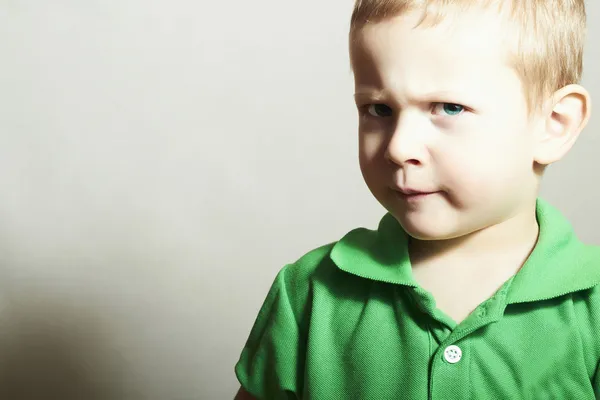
[[160, 161]]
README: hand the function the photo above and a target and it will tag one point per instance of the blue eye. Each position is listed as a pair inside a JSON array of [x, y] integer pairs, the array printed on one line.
[[448, 108], [379, 110]]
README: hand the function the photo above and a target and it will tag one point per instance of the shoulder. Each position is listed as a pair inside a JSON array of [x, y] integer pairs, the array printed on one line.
[[588, 259], [298, 278], [319, 270], [586, 303], [326, 263], [301, 272], [276, 345]]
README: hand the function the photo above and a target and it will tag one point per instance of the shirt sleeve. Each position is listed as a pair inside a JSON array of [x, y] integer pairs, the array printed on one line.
[[270, 365]]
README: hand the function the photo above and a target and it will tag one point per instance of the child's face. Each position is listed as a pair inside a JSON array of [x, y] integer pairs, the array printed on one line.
[[442, 112]]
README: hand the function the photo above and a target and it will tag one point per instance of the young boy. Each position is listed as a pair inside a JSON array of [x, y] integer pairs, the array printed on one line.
[[471, 287]]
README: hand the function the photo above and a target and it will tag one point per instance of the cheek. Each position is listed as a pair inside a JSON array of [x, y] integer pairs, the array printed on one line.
[[487, 166], [370, 149]]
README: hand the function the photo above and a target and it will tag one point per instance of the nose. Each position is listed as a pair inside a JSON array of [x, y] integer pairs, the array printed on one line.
[[406, 145]]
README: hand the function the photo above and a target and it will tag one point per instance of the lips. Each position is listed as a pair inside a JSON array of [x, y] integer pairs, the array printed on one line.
[[412, 192], [413, 195]]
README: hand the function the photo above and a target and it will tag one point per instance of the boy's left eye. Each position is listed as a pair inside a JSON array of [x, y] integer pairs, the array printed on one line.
[[379, 110], [448, 108]]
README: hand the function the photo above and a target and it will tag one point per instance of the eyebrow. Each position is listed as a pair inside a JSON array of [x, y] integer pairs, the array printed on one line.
[[381, 94], [370, 93], [374, 95]]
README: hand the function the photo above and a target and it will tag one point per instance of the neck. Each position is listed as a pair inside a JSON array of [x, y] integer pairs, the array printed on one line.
[[517, 234]]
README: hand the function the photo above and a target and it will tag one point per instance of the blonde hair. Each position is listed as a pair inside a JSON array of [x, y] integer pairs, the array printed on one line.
[[546, 48]]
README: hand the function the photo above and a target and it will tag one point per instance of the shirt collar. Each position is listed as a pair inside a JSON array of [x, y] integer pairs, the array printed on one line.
[[559, 263]]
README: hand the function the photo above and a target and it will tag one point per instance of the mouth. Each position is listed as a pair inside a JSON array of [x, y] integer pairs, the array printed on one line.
[[412, 194]]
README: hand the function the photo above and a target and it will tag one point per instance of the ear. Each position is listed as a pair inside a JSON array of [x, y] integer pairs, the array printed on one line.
[[569, 111]]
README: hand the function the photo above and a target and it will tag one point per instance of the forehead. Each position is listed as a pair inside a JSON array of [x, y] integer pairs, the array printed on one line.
[[463, 53]]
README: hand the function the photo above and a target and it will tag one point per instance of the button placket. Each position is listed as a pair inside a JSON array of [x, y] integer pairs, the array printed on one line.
[[450, 372]]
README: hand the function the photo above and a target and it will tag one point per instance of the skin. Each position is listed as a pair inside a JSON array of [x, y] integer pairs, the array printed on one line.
[[442, 112]]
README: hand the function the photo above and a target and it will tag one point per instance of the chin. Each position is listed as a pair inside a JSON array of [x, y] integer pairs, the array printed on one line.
[[429, 229], [425, 234]]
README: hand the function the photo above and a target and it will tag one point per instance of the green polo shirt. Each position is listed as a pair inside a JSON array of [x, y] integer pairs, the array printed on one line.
[[348, 321]]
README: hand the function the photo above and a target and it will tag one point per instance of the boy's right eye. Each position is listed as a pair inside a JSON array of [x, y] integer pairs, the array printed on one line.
[[379, 110]]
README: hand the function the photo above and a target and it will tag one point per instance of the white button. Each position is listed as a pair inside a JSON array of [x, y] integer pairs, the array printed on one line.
[[453, 354]]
